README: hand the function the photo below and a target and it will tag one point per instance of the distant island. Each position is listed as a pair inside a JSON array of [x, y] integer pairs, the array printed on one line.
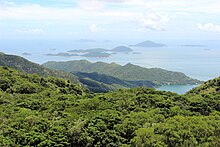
[[100, 50], [193, 45], [97, 55], [62, 54], [94, 52], [26, 54], [149, 44], [121, 49], [89, 54]]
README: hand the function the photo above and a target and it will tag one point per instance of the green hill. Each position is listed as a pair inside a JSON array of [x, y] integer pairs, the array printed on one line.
[[128, 72], [26, 66], [209, 87], [38, 111], [92, 83], [104, 83]]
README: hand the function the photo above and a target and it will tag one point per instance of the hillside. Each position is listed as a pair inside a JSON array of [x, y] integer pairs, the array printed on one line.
[[128, 72], [91, 83], [26, 66], [104, 83], [37, 111], [209, 87]]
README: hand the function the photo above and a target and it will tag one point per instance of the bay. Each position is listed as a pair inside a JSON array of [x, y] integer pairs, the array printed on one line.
[[180, 89]]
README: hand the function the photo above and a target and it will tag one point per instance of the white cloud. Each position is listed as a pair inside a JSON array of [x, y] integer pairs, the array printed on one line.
[[6, 3], [89, 15], [30, 31], [115, 1], [94, 28], [92, 5], [156, 22], [209, 27]]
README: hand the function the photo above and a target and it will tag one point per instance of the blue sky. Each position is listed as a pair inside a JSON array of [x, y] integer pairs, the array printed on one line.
[[110, 19]]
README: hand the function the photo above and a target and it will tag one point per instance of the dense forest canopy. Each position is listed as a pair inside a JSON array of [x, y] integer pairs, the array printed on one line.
[[38, 111]]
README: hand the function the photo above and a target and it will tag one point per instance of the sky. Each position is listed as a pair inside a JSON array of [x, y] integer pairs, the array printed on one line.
[[110, 19]]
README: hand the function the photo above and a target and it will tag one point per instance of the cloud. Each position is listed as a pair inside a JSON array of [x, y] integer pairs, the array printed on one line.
[[209, 27], [30, 31], [94, 28], [156, 22], [115, 1], [6, 3], [92, 5]]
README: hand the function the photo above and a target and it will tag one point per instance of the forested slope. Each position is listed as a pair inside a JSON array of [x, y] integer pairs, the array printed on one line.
[[93, 84], [37, 111], [128, 72], [26, 66], [104, 83], [209, 87]]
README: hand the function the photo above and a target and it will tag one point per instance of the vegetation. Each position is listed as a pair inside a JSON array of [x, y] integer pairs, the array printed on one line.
[[104, 83], [37, 111], [95, 82], [209, 87], [128, 72], [26, 66]]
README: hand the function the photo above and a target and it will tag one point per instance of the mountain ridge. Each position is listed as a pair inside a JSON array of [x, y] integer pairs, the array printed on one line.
[[126, 72], [27, 66]]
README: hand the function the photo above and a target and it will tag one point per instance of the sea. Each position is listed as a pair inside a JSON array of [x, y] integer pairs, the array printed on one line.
[[198, 59]]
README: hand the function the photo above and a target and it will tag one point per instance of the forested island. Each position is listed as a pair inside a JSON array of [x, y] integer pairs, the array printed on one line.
[[93, 52]]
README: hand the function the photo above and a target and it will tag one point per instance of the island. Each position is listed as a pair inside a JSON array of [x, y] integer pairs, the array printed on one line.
[[100, 50], [93, 52], [149, 44], [121, 49], [193, 45], [62, 54], [96, 55], [26, 54]]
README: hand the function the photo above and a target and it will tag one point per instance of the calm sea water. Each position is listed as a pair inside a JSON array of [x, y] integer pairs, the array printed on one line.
[[201, 62], [181, 89]]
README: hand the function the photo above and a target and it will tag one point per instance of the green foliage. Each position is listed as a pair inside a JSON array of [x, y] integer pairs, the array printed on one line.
[[211, 86], [128, 72], [26, 66], [104, 83], [37, 111]]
